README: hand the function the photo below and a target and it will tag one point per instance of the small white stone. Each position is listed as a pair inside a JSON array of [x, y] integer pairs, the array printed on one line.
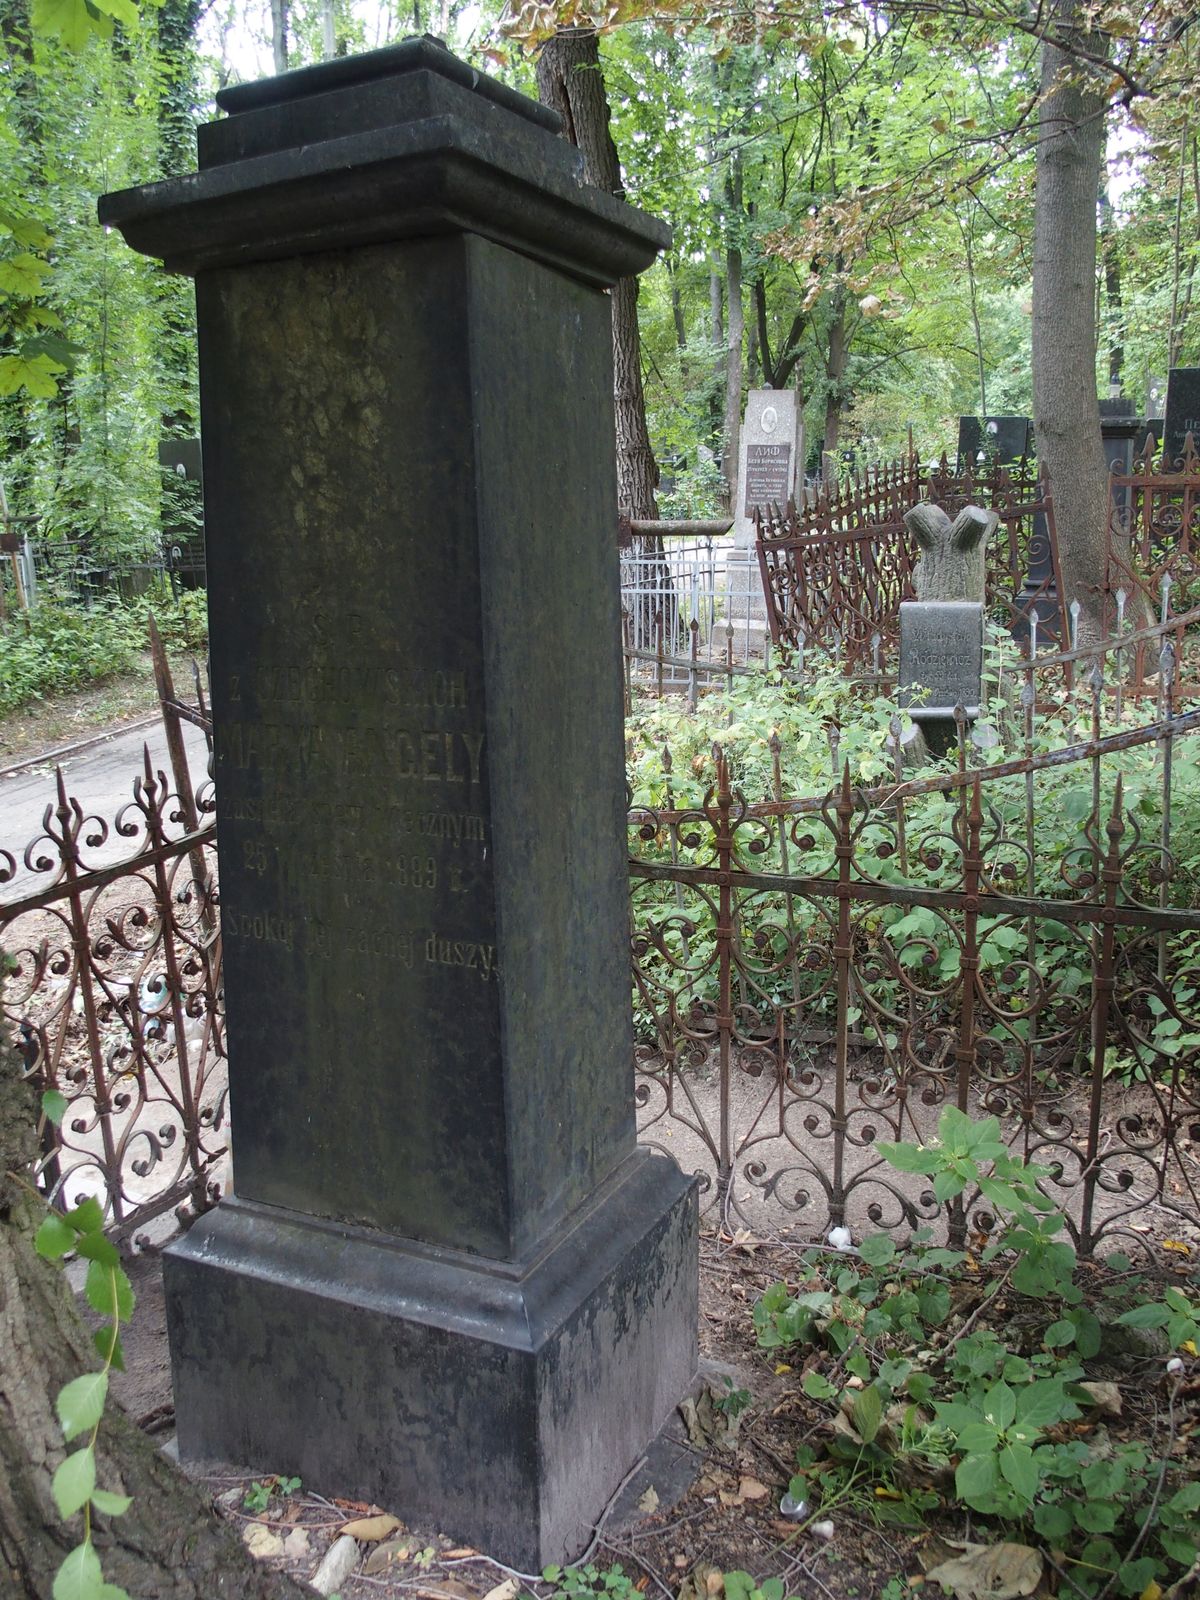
[[822, 1530], [296, 1544], [1175, 1365], [261, 1542], [841, 1239], [340, 1561]]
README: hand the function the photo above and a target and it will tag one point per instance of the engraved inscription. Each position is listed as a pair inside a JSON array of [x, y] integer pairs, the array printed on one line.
[[386, 754], [388, 813], [768, 476], [340, 685]]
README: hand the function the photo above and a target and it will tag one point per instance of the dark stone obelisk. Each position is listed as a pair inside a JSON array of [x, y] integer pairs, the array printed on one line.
[[449, 1281]]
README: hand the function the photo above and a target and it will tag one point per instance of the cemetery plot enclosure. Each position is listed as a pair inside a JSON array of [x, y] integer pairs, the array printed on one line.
[[114, 998], [813, 976], [810, 976], [835, 571]]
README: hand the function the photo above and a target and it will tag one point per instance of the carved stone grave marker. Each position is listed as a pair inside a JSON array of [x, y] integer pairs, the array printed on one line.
[[941, 631], [941, 651], [449, 1282], [770, 466]]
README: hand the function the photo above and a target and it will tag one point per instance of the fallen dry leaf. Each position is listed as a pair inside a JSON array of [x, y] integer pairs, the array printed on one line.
[[461, 1552], [648, 1504], [990, 1572], [296, 1544], [752, 1489], [387, 1555], [508, 1590], [371, 1529], [261, 1541]]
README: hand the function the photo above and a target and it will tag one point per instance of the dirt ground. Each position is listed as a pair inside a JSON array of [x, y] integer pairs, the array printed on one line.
[[713, 1507], [695, 1507]]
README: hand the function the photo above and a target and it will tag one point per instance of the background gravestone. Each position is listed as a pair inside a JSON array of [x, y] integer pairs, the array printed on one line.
[[941, 631], [770, 474], [1004, 439], [1182, 414], [445, 1241]]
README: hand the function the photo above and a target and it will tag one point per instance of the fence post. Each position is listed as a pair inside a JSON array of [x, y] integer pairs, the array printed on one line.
[[180, 770], [724, 942], [969, 830], [842, 952], [1103, 983]]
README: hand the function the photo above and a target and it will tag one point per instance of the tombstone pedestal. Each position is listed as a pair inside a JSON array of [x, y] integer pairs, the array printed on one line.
[[499, 1401], [449, 1283]]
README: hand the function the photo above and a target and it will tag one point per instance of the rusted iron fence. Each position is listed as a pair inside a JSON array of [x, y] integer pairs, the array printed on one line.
[[113, 993], [813, 976], [1154, 563], [810, 975], [835, 570]]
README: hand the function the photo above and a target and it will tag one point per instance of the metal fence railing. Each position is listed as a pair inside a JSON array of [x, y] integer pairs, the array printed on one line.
[[1017, 934]]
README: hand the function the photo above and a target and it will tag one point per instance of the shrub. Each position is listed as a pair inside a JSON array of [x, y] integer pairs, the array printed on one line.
[[60, 647]]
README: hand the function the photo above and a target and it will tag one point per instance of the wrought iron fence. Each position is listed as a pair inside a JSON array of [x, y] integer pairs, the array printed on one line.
[[810, 976], [1154, 563], [113, 995], [814, 976], [836, 570]]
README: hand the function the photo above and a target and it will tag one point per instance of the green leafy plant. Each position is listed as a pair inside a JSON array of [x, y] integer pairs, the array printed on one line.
[[928, 1415], [80, 1403], [259, 1495]]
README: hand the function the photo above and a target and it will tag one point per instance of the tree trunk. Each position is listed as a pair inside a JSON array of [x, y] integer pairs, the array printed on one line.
[[835, 371], [571, 81], [735, 327], [168, 1544], [677, 306], [176, 26], [279, 26], [1110, 248], [1066, 411]]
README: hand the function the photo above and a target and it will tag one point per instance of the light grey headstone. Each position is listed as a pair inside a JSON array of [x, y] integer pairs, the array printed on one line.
[[941, 651], [770, 464]]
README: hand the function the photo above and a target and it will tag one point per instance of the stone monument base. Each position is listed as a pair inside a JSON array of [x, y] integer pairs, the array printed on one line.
[[500, 1401]]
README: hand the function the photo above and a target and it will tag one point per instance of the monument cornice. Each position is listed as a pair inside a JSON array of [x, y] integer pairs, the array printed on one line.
[[275, 184]]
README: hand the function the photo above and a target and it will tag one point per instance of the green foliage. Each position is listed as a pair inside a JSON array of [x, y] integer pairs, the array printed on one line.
[[896, 946], [80, 1403], [258, 1496], [967, 1416], [60, 646], [592, 1583]]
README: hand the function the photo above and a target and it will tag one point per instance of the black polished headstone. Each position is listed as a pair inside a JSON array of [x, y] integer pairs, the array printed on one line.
[[1182, 414], [444, 1235], [1003, 439]]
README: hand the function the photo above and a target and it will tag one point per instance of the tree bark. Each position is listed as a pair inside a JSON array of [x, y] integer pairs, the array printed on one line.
[[571, 81], [1110, 247], [169, 1544], [279, 27], [1066, 411], [735, 327], [835, 371]]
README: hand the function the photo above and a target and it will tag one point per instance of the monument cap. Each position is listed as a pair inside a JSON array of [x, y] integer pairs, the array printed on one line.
[[400, 143]]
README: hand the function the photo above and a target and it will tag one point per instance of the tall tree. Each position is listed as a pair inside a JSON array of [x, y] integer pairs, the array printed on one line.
[[571, 81], [1070, 152]]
